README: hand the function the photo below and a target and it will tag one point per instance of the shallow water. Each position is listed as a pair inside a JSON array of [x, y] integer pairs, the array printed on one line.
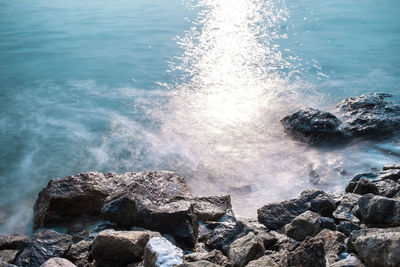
[[196, 87]]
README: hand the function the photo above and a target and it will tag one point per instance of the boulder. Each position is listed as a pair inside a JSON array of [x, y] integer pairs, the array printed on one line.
[[371, 115], [328, 223], [387, 187], [69, 198], [377, 247], [13, 241], [334, 244], [309, 253], [277, 259], [392, 174], [276, 215], [383, 184], [245, 249], [379, 211], [79, 253], [119, 248], [214, 256], [351, 186], [344, 211], [306, 224], [347, 227], [43, 246], [5, 264], [160, 252], [58, 262], [351, 261], [8, 255], [312, 126]]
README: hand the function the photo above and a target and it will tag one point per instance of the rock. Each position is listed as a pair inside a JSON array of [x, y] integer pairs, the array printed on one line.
[[262, 232], [284, 243], [365, 186], [13, 241], [202, 263], [276, 215], [245, 249], [118, 248], [344, 212], [43, 246], [272, 260], [378, 210], [328, 223], [370, 115], [312, 126], [69, 198], [5, 264], [392, 174], [377, 247], [214, 256], [351, 261], [347, 227], [121, 210], [58, 262], [378, 184], [310, 253], [160, 252], [79, 253], [8, 255], [351, 186], [306, 224], [334, 244], [387, 187], [392, 166]]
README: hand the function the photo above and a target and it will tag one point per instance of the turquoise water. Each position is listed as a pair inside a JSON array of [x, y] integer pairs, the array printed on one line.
[[196, 87]]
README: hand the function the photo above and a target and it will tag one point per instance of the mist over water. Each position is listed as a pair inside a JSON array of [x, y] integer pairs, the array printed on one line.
[[196, 87]]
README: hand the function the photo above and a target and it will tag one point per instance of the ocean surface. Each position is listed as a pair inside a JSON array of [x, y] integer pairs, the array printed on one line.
[[196, 87]]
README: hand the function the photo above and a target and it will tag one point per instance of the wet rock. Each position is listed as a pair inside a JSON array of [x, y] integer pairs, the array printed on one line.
[[310, 253], [392, 166], [121, 210], [245, 249], [378, 210], [387, 187], [379, 184], [351, 186], [334, 244], [79, 253], [276, 215], [328, 223], [371, 115], [365, 186], [71, 197], [344, 212], [351, 261], [312, 126], [43, 246], [392, 174], [5, 264], [202, 263], [13, 241], [8, 255], [347, 227], [306, 224], [160, 252], [118, 248], [377, 247], [58, 262], [214, 256]]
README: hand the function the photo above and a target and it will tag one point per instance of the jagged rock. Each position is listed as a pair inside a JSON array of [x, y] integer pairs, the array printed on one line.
[[276, 215], [351, 186], [328, 223], [306, 224], [202, 263], [347, 227], [387, 187], [160, 252], [277, 259], [79, 253], [377, 247], [334, 244], [365, 186], [121, 210], [58, 262], [262, 232], [371, 115], [69, 198], [245, 249], [309, 253], [214, 256], [43, 246], [8, 255], [284, 242], [351, 261], [378, 184], [118, 248], [392, 166], [13, 241], [312, 126], [344, 212], [392, 174], [378, 210]]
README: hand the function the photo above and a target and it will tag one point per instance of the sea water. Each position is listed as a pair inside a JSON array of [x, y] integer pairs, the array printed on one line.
[[196, 87]]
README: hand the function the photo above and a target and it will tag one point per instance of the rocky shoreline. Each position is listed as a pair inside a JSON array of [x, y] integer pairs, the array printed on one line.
[[154, 219]]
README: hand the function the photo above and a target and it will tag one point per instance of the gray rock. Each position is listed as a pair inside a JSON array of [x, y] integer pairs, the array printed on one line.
[[328, 223], [214, 256], [69, 198], [351, 186], [309, 253], [379, 184], [8, 255], [387, 187], [378, 210], [43, 246], [79, 253], [312, 126], [160, 252], [347, 227], [13, 241], [119, 248], [5, 264], [351, 261], [245, 249], [377, 247], [202, 263], [58, 262], [276, 215], [392, 174], [277, 259], [306, 224], [334, 244], [392, 166], [365, 186], [344, 211]]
